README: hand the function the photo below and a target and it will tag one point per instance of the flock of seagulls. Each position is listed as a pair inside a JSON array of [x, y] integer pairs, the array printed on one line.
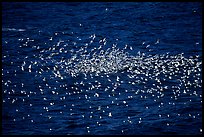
[[94, 87]]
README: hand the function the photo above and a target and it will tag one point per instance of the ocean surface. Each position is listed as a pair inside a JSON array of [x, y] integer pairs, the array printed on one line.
[[101, 68]]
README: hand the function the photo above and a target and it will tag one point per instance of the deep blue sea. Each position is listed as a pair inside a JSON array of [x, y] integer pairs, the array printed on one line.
[[121, 68]]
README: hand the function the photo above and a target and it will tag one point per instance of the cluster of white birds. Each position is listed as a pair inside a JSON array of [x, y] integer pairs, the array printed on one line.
[[106, 80]]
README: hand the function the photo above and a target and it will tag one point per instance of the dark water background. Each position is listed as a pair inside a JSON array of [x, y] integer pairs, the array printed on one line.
[[37, 102]]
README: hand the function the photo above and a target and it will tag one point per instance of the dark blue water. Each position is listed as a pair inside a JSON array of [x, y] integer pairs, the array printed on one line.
[[101, 68]]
